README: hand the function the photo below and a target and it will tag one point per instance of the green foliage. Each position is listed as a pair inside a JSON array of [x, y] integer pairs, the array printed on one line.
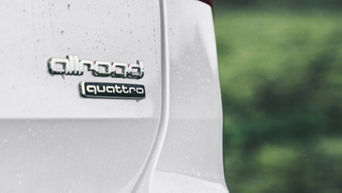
[[282, 95], [294, 4]]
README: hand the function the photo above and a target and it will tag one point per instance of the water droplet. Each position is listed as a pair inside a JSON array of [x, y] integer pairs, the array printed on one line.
[[62, 32], [69, 6]]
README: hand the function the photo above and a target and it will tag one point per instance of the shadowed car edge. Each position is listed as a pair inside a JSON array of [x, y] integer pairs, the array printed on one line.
[[69, 68]]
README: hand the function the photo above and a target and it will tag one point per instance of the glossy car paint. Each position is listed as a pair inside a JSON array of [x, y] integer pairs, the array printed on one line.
[[53, 140]]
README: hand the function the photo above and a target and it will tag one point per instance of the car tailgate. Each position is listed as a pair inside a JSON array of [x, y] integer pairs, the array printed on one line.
[[51, 138]]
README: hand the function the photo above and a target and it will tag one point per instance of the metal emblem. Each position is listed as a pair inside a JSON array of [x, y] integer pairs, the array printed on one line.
[[71, 65], [112, 90]]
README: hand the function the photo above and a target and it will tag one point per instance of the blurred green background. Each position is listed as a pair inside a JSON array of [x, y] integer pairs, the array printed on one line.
[[281, 67]]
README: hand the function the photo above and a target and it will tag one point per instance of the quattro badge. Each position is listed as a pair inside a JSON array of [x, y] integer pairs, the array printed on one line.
[[71, 65], [112, 90]]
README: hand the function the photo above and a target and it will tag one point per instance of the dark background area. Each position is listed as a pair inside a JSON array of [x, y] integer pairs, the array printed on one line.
[[281, 79]]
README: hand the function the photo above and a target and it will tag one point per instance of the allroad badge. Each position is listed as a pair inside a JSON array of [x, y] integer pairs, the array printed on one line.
[[71, 65], [112, 90]]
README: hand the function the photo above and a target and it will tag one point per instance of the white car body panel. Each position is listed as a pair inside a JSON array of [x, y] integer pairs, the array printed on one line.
[[52, 140]]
